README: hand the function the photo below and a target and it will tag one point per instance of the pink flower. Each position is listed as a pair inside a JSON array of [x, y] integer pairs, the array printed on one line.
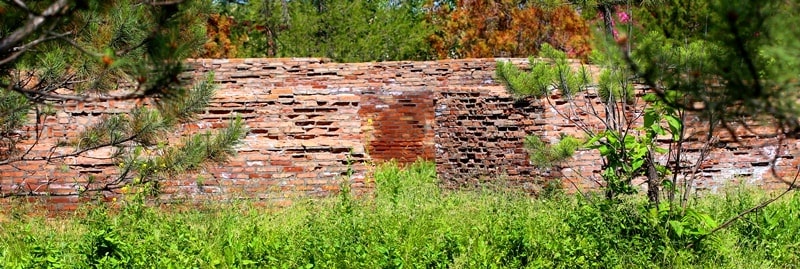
[[623, 17]]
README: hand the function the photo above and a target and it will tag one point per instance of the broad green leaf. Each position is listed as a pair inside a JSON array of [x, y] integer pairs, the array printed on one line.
[[677, 226], [658, 130], [650, 97], [636, 164], [650, 117], [612, 138], [674, 126], [604, 150], [593, 140]]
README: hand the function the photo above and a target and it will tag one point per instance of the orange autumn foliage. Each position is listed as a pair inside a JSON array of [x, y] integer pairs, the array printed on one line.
[[219, 44], [505, 28]]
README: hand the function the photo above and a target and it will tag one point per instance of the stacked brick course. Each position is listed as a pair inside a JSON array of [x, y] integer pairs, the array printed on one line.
[[480, 132], [312, 123]]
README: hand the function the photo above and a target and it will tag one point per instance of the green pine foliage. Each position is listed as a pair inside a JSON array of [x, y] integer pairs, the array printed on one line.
[[546, 75], [525, 84], [14, 109], [544, 155], [106, 42], [614, 87], [142, 153], [677, 19], [92, 51], [553, 71], [732, 60], [567, 80]]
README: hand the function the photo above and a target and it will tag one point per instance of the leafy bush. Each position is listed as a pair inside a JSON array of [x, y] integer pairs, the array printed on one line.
[[410, 222]]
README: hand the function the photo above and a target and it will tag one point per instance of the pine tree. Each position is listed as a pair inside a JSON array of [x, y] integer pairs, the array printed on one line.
[[740, 59], [343, 30], [730, 63], [93, 51]]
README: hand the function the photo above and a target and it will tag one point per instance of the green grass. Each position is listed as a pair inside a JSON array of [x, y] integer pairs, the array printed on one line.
[[411, 223]]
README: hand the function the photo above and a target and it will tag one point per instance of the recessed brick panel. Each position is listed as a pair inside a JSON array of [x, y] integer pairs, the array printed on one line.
[[398, 125], [479, 135]]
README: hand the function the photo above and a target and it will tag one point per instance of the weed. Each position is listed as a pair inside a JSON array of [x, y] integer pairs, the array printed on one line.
[[410, 222]]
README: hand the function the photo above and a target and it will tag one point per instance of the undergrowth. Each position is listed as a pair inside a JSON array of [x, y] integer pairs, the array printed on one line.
[[411, 223]]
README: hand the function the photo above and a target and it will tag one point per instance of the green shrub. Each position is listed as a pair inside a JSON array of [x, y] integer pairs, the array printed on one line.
[[411, 223]]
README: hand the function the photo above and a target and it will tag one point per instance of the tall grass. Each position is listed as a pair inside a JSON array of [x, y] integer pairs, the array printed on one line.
[[408, 223]]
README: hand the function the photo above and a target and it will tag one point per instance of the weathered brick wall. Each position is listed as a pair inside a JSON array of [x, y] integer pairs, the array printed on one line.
[[479, 134], [311, 121]]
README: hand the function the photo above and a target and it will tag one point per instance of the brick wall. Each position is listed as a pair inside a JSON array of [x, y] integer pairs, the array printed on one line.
[[311, 120]]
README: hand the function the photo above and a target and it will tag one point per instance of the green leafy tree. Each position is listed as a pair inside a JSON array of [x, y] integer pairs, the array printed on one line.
[[627, 149], [738, 62], [345, 31], [56, 52], [731, 63]]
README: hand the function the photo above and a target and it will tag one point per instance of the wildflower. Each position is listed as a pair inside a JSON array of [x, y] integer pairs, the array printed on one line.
[[623, 17]]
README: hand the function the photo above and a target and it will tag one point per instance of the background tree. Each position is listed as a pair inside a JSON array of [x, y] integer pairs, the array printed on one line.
[[506, 28], [394, 30], [731, 64], [56, 51], [746, 66], [246, 28], [348, 31]]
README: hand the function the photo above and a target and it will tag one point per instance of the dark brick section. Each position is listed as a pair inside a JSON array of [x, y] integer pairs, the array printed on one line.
[[398, 125]]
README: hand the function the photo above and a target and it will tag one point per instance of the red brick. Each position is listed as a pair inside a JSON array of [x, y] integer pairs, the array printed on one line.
[[478, 129], [292, 169]]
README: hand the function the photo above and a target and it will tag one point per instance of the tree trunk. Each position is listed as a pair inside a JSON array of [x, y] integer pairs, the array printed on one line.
[[653, 181], [607, 11]]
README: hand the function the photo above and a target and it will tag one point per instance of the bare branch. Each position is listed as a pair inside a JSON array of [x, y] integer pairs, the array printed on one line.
[[74, 44], [21, 5], [18, 51], [79, 98], [32, 25], [79, 152], [164, 3], [751, 210], [687, 182]]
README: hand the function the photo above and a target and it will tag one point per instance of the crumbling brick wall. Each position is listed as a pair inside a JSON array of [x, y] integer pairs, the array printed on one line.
[[314, 123], [479, 135]]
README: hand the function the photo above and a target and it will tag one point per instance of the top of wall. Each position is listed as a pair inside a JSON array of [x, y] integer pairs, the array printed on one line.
[[319, 74]]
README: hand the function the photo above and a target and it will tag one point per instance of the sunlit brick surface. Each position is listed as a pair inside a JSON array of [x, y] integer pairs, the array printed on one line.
[[312, 121]]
